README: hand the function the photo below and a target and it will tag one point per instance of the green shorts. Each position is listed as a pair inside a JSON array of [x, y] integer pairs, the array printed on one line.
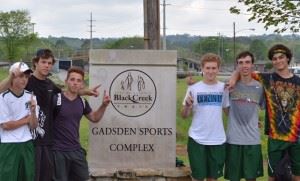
[[243, 161], [276, 149], [17, 161], [206, 161]]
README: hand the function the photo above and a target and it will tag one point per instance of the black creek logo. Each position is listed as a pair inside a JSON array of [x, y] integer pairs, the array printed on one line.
[[133, 93]]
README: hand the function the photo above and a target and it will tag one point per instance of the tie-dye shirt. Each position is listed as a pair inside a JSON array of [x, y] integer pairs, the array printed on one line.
[[282, 106]]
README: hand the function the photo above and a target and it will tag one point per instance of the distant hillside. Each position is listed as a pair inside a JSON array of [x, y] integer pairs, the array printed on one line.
[[175, 41], [76, 43], [187, 46]]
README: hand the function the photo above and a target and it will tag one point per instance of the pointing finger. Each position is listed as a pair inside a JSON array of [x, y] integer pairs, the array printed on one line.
[[96, 87]]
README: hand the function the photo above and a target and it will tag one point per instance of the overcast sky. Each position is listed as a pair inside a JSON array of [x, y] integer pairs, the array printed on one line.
[[123, 18]]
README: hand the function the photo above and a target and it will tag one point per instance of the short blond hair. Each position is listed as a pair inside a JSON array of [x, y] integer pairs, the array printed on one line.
[[210, 57]]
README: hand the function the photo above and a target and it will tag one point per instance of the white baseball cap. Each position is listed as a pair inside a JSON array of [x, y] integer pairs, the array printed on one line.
[[23, 67]]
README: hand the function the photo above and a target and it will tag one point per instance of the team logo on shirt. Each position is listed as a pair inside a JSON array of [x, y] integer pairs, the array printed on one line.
[[210, 99], [27, 105], [133, 93]]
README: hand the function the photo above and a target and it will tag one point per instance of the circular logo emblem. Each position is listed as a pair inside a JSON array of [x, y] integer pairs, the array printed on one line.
[[133, 93]]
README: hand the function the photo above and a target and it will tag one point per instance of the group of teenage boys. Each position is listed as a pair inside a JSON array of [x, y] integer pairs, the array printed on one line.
[[239, 148], [39, 123]]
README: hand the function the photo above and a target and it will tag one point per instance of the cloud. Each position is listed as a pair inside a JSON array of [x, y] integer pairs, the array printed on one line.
[[119, 18]]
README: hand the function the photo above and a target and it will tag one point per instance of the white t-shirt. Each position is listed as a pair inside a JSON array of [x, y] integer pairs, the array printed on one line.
[[207, 124], [14, 108]]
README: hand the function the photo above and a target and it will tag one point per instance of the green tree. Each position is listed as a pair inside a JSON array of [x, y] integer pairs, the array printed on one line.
[[296, 53], [85, 45], [283, 15], [15, 29], [62, 49], [126, 43], [215, 45], [27, 46], [207, 45], [259, 49]]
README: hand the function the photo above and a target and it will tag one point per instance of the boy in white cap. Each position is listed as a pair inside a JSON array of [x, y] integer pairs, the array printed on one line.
[[18, 115]]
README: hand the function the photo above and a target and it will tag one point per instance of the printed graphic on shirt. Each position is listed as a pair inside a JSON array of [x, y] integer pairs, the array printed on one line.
[[39, 130], [245, 96], [282, 105], [210, 99]]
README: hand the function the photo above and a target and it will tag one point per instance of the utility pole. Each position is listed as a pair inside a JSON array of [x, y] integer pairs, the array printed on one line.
[[219, 44], [91, 31], [234, 40], [151, 24], [164, 25], [234, 45], [32, 24]]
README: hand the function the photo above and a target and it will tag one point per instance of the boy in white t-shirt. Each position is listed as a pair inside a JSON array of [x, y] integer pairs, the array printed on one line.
[[206, 99], [18, 115]]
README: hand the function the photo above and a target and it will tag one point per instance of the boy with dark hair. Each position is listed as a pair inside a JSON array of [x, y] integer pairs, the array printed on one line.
[[18, 115], [243, 149], [282, 91], [44, 90], [206, 99], [69, 158]]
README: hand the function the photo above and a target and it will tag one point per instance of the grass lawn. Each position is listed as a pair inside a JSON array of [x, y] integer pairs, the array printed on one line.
[[3, 73], [182, 125]]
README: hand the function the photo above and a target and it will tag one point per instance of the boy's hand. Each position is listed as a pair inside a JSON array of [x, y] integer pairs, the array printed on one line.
[[106, 99], [189, 101], [32, 104], [93, 92], [189, 79], [16, 71], [229, 85]]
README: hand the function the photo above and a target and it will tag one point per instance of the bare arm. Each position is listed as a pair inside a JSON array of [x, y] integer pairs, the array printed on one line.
[[11, 125], [186, 111], [235, 76], [95, 116], [5, 83], [33, 122], [187, 108], [90, 92], [190, 80]]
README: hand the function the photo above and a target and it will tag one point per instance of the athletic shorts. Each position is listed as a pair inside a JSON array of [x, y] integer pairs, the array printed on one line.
[[276, 150], [17, 161], [44, 163], [243, 161], [206, 161], [70, 165]]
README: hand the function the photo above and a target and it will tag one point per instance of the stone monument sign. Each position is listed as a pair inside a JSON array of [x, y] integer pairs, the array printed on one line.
[[138, 129]]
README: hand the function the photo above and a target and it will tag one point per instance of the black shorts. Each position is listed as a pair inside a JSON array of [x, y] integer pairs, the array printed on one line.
[[43, 163], [70, 165]]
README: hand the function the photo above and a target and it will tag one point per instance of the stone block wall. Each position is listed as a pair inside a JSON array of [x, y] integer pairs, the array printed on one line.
[[170, 174]]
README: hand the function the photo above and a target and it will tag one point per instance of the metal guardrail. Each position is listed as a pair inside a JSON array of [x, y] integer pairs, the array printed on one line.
[[183, 74], [4, 64]]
